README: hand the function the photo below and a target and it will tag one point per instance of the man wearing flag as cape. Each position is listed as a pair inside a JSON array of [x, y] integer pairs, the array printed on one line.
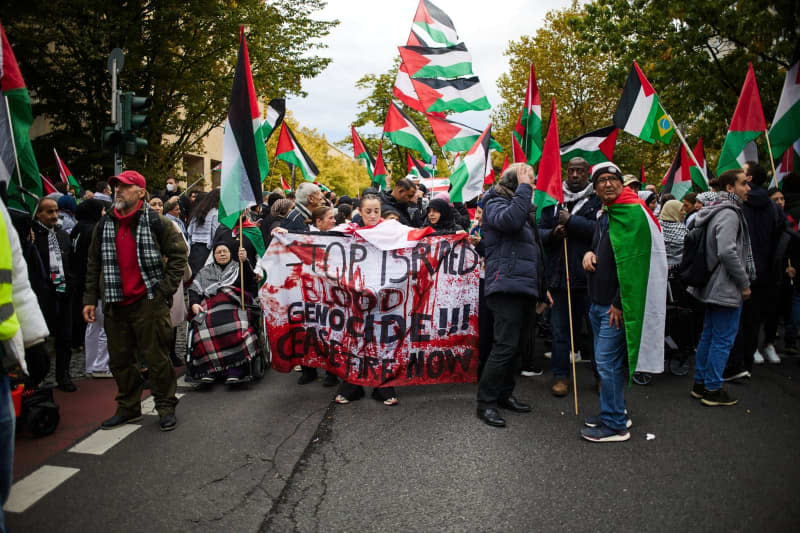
[[627, 274]]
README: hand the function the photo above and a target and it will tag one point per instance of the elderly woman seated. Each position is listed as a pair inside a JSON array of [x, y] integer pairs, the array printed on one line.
[[224, 337]]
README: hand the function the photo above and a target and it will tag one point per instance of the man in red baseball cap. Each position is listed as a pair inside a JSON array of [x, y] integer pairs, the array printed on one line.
[[128, 273]]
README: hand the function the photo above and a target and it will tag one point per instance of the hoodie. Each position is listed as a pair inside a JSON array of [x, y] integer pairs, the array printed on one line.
[[764, 221]]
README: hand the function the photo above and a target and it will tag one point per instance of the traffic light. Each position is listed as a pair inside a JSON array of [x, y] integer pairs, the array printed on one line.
[[132, 120], [112, 139]]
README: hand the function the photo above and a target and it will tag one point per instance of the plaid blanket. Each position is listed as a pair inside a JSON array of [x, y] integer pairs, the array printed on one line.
[[223, 334]]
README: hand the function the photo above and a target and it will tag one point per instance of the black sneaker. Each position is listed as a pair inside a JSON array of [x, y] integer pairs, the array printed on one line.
[[118, 420], [697, 390], [718, 398], [604, 433], [596, 421], [167, 422]]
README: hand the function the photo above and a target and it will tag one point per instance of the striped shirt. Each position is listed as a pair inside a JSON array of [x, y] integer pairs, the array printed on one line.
[[204, 234]]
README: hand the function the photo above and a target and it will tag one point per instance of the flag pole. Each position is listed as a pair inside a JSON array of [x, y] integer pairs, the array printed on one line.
[[13, 142], [686, 145], [771, 160], [241, 266], [571, 335]]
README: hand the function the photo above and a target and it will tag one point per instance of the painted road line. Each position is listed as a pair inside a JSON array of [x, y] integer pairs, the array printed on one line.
[[103, 440], [149, 404], [32, 488]]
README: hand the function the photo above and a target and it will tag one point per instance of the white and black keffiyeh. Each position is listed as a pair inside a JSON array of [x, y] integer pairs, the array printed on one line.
[[674, 235], [213, 277], [147, 255], [577, 199], [56, 261]]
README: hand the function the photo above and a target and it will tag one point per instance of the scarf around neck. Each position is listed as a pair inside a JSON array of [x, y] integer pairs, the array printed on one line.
[[214, 277], [56, 261]]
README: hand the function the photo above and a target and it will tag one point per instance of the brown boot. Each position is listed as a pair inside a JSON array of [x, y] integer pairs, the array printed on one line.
[[560, 388]]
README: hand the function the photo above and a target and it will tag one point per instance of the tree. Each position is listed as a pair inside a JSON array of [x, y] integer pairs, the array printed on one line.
[[695, 54], [181, 52]]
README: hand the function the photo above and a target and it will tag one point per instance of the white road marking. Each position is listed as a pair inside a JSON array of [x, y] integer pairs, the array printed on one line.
[[103, 440], [33, 487], [149, 404]]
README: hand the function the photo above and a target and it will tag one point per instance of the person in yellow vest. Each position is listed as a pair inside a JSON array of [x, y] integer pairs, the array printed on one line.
[[21, 326]]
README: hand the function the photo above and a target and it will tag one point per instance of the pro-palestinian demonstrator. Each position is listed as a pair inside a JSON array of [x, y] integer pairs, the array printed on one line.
[[627, 273]]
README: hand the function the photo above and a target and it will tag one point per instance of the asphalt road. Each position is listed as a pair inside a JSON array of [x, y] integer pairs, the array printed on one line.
[[278, 457]]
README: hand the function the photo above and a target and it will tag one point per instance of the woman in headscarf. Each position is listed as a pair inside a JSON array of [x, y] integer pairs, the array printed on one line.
[[441, 217], [215, 301], [649, 199], [278, 211], [671, 218]]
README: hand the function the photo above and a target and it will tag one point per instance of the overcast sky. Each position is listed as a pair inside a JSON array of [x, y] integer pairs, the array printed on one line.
[[366, 41]]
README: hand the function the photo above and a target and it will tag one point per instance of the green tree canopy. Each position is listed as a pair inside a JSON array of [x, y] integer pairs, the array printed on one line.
[[180, 52]]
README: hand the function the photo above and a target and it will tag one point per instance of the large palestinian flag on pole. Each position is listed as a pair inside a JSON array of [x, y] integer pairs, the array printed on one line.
[[700, 175], [459, 95], [641, 259], [595, 147], [402, 131], [549, 190], [678, 179], [528, 130], [65, 175], [404, 90], [785, 128], [17, 162], [453, 136], [639, 111], [380, 174], [788, 163], [448, 62], [360, 151], [432, 27], [244, 154], [468, 179], [746, 126], [276, 109], [289, 150]]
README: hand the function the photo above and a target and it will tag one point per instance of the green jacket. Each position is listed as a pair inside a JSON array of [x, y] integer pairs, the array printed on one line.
[[170, 244]]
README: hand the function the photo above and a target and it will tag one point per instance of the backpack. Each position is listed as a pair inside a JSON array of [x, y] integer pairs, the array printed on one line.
[[693, 269]]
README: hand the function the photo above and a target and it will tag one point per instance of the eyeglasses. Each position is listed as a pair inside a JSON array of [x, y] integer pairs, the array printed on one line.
[[605, 180]]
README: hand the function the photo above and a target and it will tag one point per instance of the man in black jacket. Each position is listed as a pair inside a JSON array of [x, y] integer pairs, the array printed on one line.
[[55, 249], [403, 193], [513, 285], [575, 222], [307, 198]]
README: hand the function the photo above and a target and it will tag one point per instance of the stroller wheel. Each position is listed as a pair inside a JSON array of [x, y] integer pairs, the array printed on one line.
[[642, 378], [42, 420]]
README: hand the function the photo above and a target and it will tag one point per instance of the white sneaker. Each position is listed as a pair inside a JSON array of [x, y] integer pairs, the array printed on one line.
[[771, 355], [548, 355], [577, 357], [758, 358]]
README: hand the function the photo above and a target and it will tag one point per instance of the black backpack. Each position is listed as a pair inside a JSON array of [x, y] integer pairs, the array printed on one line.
[[693, 270]]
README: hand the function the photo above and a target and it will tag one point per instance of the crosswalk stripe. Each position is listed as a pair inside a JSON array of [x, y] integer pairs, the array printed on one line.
[[103, 440], [33, 487]]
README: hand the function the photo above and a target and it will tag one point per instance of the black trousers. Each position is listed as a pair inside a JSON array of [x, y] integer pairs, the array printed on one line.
[[746, 343], [485, 329], [57, 310], [512, 313]]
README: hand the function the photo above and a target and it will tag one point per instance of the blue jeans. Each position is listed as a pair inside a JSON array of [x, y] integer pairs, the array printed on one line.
[[719, 332], [7, 420], [611, 356], [560, 320]]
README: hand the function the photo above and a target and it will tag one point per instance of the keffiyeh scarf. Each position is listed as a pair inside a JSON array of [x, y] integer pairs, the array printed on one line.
[[56, 261], [578, 199], [214, 277]]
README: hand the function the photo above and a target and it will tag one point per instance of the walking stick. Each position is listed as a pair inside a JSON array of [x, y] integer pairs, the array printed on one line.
[[241, 267], [571, 336]]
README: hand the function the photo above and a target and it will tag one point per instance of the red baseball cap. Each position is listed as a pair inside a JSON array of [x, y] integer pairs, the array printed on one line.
[[130, 177]]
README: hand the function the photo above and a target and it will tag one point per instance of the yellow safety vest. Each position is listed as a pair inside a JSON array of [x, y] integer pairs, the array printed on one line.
[[9, 323]]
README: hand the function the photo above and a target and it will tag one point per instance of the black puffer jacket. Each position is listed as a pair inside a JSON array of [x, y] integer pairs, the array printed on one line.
[[765, 226]]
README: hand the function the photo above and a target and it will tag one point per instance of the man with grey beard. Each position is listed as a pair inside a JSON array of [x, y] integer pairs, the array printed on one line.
[[136, 260]]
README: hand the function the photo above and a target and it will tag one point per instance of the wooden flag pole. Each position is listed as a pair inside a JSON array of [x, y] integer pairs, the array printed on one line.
[[571, 336], [241, 266], [772, 161]]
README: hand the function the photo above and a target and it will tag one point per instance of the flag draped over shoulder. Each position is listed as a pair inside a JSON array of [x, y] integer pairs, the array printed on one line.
[[289, 150], [432, 27], [65, 175], [244, 154], [639, 111], [360, 151], [746, 126], [15, 124], [785, 128], [528, 130], [402, 131], [549, 190], [641, 259], [467, 180], [595, 147]]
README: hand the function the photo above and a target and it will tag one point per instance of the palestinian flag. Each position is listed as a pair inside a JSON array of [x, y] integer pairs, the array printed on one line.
[[641, 259], [678, 179], [453, 136], [746, 126], [404, 90], [448, 62], [415, 168], [65, 175], [289, 150], [285, 185], [785, 128], [789, 162], [528, 131], [402, 131], [47, 185], [549, 190], [432, 27], [252, 232], [595, 147], [700, 175], [506, 164], [244, 154], [15, 122], [461, 94], [322, 186], [360, 151], [639, 111], [516, 148], [748, 153], [490, 177], [276, 109], [468, 179], [380, 174]]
